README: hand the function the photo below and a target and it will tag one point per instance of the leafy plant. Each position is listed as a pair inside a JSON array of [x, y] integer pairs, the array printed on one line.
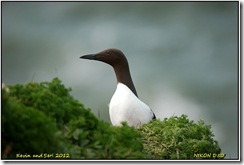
[[178, 138], [43, 121], [39, 118]]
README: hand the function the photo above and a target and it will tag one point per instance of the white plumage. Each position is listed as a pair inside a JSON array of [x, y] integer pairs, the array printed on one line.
[[126, 107]]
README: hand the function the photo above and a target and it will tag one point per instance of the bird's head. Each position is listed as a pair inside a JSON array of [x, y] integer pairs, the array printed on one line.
[[110, 56]]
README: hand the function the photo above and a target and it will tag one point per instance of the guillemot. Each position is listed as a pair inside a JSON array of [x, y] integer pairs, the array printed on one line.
[[125, 105]]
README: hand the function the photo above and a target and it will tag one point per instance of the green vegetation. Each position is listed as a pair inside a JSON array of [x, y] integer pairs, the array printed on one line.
[[43, 121], [178, 138]]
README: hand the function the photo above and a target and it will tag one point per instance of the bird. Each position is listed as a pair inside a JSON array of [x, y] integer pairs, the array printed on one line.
[[125, 105]]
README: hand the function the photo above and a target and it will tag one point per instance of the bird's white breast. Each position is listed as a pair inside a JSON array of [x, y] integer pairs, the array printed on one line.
[[126, 107]]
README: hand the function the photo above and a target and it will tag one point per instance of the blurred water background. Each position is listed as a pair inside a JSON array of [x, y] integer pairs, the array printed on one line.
[[183, 56]]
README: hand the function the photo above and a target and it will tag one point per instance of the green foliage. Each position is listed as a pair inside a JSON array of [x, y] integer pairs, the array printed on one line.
[[39, 118], [178, 138], [52, 98], [44, 119], [22, 135]]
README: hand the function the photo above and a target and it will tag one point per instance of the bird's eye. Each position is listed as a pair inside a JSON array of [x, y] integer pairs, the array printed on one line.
[[108, 52]]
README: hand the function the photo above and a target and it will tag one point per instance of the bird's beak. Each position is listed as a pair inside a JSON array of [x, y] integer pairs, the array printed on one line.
[[89, 57]]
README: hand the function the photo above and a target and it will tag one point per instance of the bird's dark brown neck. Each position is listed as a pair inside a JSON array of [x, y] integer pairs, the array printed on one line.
[[123, 76]]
